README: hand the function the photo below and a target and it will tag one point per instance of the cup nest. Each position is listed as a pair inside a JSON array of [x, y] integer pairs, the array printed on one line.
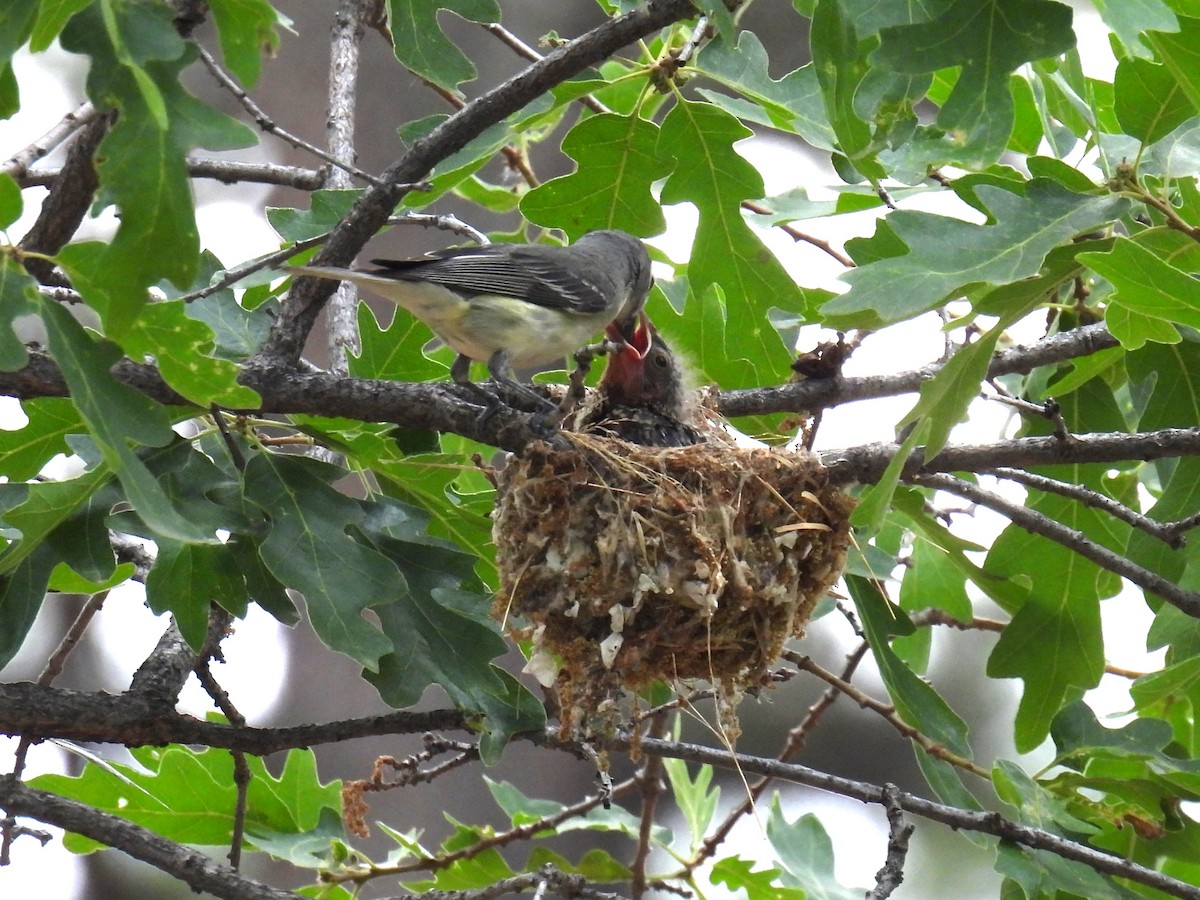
[[634, 564]]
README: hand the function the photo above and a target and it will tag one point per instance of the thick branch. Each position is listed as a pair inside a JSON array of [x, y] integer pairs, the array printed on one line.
[[818, 393], [137, 720], [68, 201], [449, 407], [192, 867], [866, 464], [376, 204]]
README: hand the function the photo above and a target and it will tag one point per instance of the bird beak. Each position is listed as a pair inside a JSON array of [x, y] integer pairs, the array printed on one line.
[[638, 341]]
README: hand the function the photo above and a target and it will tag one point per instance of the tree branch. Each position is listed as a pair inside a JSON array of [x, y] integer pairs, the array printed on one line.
[[1032, 521], [889, 877], [983, 822], [18, 165], [818, 393], [866, 464], [192, 867], [136, 720]]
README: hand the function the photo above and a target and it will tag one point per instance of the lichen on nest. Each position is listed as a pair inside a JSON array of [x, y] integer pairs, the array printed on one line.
[[634, 564]]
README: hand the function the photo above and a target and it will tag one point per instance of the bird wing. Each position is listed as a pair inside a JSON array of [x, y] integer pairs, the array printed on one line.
[[538, 275]]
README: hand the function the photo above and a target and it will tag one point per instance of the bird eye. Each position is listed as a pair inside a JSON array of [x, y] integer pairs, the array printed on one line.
[[660, 360]]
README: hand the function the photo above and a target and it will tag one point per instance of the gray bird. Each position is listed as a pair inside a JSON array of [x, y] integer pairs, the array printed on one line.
[[513, 305]]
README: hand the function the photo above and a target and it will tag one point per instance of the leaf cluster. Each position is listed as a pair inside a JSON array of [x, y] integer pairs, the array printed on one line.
[[1012, 190]]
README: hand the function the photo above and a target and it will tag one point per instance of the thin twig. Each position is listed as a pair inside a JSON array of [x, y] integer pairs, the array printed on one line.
[[544, 879], [1036, 523], [799, 236], [816, 393], [935, 616], [52, 669], [241, 769], [1166, 532], [889, 877], [1050, 409], [342, 338], [889, 714], [268, 125], [227, 171], [18, 165], [522, 49], [649, 779], [797, 739], [500, 839]]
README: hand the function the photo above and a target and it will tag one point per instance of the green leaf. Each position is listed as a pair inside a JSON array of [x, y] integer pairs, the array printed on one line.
[[1054, 641], [1151, 294], [876, 499], [1171, 377], [326, 208], [136, 60], [739, 877], [181, 345], [931, 580], [16, 22], [52, 17], [188, 578], [117, 415], [595, 865], [945, 397], [36, 510], [806, 853], [696, 798], [237, 332], [1130, 19], [442, 632], [66, 580], [22, 592], [15, 301], [792, 103], [1036, 805], [25, 451], [1150, 104], [915, 700], [910, 505], [726, 252], [946, 254], [1041, 873], [617, 162], [988, 39], [422, 47], [1179, 51], [10, 200], [396, 352], [247, 30], [310, 549], [840, 70], [190, 796]]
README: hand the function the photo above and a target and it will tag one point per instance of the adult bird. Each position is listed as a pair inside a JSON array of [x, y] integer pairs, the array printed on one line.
[[513, 305], [643, 397]]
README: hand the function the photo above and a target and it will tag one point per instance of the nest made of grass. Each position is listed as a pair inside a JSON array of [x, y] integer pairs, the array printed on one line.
[[635, 564]]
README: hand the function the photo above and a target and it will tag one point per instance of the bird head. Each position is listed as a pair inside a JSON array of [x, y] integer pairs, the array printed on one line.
[[644, 372]]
